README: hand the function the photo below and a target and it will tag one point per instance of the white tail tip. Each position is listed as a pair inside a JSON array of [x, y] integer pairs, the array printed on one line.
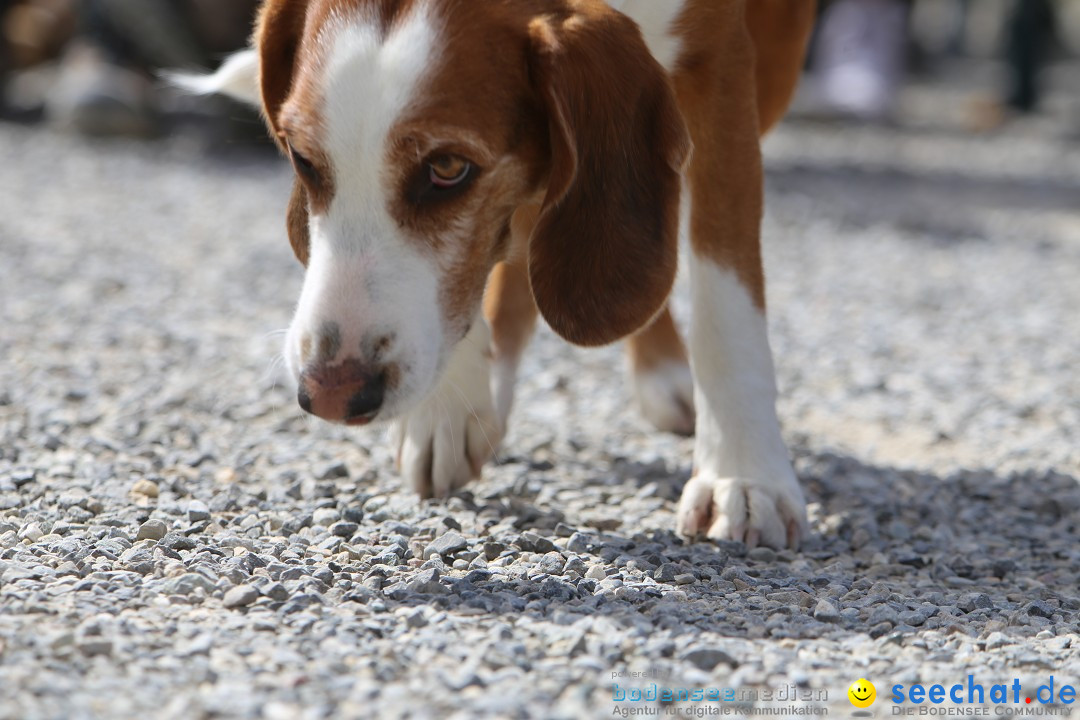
[[238, 78]]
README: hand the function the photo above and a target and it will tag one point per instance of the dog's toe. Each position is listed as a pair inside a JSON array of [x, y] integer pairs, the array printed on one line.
[[444, 444], [746, 510]]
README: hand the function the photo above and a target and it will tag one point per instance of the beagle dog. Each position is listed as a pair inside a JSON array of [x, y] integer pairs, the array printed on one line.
[[463, 165]]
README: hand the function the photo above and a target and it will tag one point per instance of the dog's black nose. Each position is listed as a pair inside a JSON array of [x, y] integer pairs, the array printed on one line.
[[304, 399], [367, 401]]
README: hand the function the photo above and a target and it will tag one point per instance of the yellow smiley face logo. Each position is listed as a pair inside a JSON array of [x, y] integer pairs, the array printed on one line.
[[862, 693]]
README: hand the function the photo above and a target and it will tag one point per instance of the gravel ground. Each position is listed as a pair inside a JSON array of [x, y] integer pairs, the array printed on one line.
[[176, 541]]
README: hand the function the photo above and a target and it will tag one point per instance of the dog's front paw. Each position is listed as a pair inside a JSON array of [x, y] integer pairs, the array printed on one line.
[[752, 511], [443, 443]]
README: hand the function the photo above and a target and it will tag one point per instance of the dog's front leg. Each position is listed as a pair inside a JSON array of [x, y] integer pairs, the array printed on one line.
[[443, 443], [743, 487]]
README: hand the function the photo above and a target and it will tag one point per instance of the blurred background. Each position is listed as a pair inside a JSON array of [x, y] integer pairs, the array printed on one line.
[[88, 65]]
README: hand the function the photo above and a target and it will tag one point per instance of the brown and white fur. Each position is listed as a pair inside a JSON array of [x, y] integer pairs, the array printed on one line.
[[462, 165]]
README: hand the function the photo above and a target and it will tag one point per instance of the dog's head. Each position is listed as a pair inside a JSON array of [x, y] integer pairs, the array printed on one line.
[[417, 128]]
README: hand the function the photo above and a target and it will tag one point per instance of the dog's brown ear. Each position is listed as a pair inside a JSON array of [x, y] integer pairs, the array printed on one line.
[[603, 255], [278, 31], [298, 222]]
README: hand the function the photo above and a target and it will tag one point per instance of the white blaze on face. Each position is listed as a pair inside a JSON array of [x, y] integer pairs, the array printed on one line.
[[363, 273]]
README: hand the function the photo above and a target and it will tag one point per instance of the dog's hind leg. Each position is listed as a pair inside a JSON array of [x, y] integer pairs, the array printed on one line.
[[660, 373], [510, 311]]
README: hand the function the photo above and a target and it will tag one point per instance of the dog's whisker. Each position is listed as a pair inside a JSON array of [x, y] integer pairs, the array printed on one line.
[[273, 365], [276, 334]]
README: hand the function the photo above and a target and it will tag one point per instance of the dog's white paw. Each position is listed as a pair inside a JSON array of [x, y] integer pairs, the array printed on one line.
[[752, 511], [444, 443], [665, 396]]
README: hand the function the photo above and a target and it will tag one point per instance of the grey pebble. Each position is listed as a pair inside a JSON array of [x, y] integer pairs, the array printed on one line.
[[1039, 609], [883, 614], [596, 572], [188, 584], [762, 554], [152, 529], [416, 618], [574, 568], [492, 550], [138, 559], [449, 543], [973, 601], [176, 541], [23, 477], [426, 582], [536, 543], [552, 563], [95, 646], [708, 658], [666, 573], [276, 591], [825, 611], [325, 517], [240, 596], [333, 471], [578, 543], [198, 511], [344, 529]]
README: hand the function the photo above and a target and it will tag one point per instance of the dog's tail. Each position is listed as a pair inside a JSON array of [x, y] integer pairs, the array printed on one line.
[[238, 78]]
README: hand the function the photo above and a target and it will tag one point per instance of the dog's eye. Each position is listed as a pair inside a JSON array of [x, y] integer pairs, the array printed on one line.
[[440, 179], [303, 166], [447, 171]]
